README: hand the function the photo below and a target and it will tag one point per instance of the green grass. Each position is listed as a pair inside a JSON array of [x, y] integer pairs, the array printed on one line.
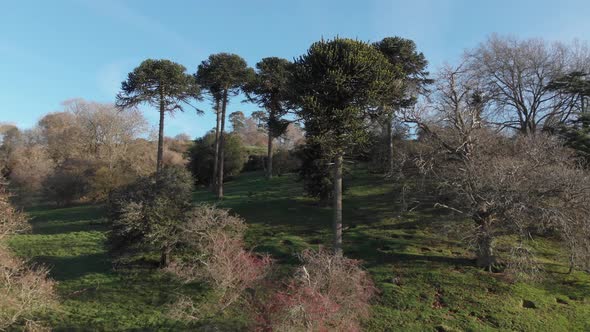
[[427, 281]]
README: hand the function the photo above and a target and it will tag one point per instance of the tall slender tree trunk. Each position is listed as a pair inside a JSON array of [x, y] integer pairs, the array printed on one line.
[[390, 159], [159, 161], [221, 147], [269, 156], [216, 160], [337, 206]]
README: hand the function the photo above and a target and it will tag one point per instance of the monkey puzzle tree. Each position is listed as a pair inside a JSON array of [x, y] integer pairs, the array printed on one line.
[[213, 90], [162, 84], [148, 214], [575, 132], [411, 72], [270, 89], [339, 83], [224, 75]]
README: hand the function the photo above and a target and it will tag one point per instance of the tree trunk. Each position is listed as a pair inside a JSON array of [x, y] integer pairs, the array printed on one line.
[[390, 165], [485, 249], [160, 160], [165, 257], [216, 160], [221, 147], [572, 264], [269, 157], [337, 207]]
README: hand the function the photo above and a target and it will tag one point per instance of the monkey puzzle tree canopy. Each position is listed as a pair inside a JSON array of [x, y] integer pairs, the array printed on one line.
[[158, 83], [224, 75], [402, 53], [223, 72], [270, 88], [339, 83], [162, 84]]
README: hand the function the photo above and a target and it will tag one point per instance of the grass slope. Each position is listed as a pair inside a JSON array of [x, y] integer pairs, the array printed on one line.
[[427, 281]]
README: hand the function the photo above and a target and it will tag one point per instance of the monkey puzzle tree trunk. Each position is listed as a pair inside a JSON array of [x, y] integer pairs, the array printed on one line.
[[337, 206], [269, 156], [159, 161], [216, 160], [390, 165], [221, 147]]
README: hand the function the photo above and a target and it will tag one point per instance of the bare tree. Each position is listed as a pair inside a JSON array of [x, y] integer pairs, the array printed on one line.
[[506, 186], [516, 74], [30, 166], [106, 133], [61, 135]]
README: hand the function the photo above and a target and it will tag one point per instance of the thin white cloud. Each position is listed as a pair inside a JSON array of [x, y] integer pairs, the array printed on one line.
[[133, 17]]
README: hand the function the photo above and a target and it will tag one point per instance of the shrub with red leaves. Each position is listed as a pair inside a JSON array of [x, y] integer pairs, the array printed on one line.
[[328, 293], [218, 256]]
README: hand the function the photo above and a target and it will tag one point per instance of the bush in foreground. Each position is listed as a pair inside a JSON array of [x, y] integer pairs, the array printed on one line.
[[327, 293], [217, 255], [148, 214], [24, 290]]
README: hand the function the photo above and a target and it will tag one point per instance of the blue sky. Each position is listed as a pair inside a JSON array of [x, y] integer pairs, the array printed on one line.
[[51, 51]]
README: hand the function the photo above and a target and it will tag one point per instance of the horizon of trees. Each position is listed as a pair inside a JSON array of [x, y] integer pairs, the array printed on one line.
[[343, 95]]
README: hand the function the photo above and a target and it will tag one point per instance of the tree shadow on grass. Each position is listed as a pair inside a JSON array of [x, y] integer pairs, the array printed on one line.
[[67, 220], [576, 287], [48, 228], [74, 213], [74, 267], [384, 248]]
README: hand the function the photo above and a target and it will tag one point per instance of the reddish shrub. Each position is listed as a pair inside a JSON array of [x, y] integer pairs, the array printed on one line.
[[328, 293], [218, 256]]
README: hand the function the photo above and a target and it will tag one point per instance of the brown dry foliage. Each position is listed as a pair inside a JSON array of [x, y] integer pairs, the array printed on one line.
[[218, 256], [25, 289], [11, 220]]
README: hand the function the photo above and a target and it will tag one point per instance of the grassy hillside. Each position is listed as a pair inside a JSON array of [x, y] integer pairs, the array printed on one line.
[[427, 280]]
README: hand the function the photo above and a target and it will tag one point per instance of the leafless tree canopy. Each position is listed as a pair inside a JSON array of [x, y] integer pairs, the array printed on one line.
[[515, 75], [508, 185], [102, 146]]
